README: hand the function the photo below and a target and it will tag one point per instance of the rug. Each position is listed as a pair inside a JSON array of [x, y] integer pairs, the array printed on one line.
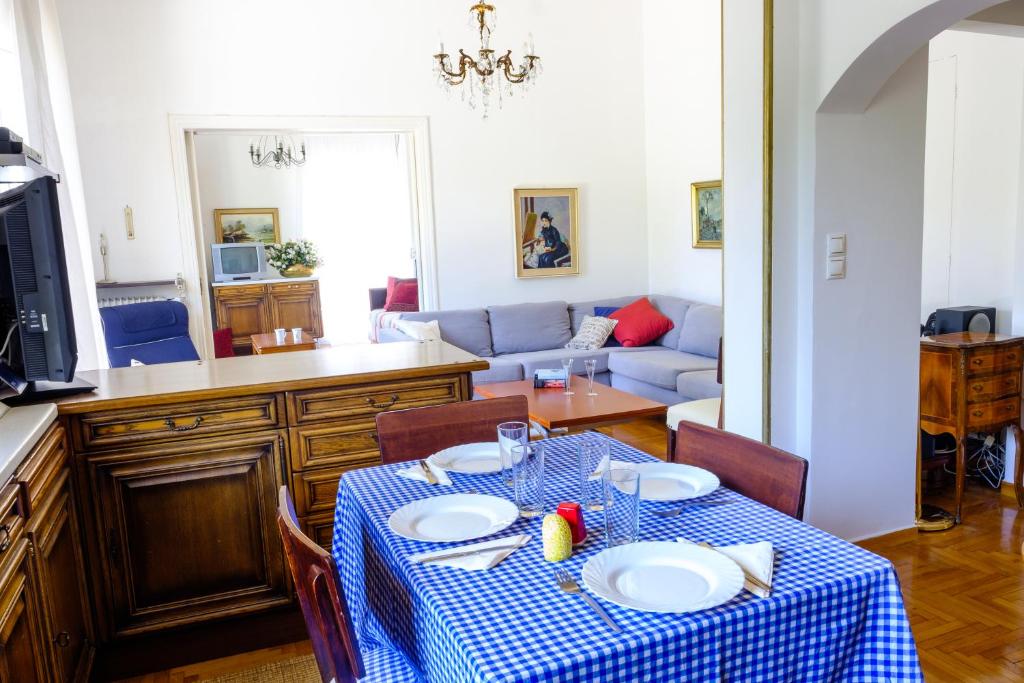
[[295, 670]]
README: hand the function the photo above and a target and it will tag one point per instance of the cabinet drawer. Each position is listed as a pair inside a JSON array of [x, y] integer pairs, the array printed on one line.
[[991, 388], [985, 361], [317, 490], [327, 404], [41, 468], [981, 414], [173, 422], [239, 291], [12, 519], [322, 445], [320, 528], [292, 288]]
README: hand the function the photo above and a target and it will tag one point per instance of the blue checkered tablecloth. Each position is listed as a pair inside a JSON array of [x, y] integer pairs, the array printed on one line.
[[836, 613]]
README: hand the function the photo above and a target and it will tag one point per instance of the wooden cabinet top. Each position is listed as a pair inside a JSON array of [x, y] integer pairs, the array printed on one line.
[[969, 340], [268, 281], [242, 375]]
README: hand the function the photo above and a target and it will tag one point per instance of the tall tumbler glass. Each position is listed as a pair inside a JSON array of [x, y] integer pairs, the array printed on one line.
[[592, 452], [528, 478], [621, 506], [510, 434], [567, 366]]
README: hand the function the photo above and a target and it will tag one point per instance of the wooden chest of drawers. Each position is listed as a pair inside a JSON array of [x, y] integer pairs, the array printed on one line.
[[972, 383]]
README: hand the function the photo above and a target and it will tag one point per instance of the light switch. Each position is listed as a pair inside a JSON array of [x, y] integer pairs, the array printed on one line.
[[837, 245], [835, 268]]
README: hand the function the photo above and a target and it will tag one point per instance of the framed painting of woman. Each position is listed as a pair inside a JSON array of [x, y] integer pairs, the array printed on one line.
[[547, 232]]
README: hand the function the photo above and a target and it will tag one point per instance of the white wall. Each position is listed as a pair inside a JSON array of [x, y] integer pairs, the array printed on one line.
[[973, 173], [134, 63], [683, 116]]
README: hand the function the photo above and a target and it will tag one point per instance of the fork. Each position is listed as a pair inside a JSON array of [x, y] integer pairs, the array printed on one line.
[[569, 585], [675, 512]]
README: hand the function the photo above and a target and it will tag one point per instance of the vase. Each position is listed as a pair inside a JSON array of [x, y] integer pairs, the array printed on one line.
[[297, 270]]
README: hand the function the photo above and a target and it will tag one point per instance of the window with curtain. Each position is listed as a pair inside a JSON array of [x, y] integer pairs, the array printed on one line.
[[12, 94], [356, 206]]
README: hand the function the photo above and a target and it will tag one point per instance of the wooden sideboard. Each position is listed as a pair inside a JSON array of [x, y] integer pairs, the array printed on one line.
[[176, 469], [46, 630], [972, 383], [258, 308]]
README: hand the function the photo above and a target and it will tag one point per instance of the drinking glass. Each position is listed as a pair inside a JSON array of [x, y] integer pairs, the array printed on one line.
[[567, 366], [591, 452], [296, 334], [528, 478], [279, 335], [510, 434], [621, 506], [591, 365]]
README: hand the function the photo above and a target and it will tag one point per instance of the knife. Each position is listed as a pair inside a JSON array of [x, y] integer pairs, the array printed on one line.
[[431, 477], [467, 553]]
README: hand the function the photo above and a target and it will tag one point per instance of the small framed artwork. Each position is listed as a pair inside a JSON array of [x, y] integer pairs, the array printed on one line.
[[247, 225], [547, 232], [706, 203]]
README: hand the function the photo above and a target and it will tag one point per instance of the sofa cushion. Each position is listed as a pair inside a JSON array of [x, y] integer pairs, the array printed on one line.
[[467, 329], [578, 310], [640, 323], [699, 384], [702, 328], [673, 308], [638, 388], [501, 370], [552, 360], [593, 333], [660, 368], [520, 328], [604, 312]]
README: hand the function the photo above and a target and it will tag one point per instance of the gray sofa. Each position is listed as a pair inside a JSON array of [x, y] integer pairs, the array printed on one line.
[[518, 339]]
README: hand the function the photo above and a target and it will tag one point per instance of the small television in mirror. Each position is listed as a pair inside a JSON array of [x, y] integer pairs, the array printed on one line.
[[239, 261]]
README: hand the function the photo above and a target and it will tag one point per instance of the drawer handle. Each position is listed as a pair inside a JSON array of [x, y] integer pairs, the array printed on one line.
[[1008, 409], [6, 542], [382, 406], [978, 413], [63, 639], [978, 361], [183, 428], [1011, 356], [978, 387]]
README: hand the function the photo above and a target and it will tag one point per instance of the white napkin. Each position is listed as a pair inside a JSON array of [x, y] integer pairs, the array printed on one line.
[[757, 559], [416, 473], [479, 561], [615, 465]]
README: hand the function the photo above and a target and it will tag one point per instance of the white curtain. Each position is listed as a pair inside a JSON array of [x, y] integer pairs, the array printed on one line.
[[51, 131], [356, 207]]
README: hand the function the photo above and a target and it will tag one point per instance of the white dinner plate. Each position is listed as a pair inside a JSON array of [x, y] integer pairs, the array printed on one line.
[[470, 458], [663, 577], [455, 517], [667, 481]]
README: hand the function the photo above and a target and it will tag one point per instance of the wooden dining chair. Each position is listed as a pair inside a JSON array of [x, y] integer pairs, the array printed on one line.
[[418, 432], [768, 475]]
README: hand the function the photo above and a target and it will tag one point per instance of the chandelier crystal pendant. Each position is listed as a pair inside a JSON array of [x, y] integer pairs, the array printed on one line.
[[277, 151], [486, 76]]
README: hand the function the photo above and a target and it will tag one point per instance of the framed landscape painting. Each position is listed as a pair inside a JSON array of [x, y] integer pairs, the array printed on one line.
[[547, 232], [247, 225], [706, 202]]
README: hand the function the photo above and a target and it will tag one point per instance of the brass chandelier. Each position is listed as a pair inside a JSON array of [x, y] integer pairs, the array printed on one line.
[[486, 76]]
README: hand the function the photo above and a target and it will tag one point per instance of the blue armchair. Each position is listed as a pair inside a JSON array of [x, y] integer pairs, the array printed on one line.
[[153, 332]]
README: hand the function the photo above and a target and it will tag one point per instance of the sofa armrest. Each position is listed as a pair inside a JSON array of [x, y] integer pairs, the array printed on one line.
[[378, 297]]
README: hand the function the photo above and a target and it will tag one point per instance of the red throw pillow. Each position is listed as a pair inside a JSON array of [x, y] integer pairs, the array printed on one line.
[[640, 323], [402, 294], [222, 347]]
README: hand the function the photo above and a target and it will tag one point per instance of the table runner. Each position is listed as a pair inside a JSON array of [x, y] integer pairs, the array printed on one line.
[[836, 613]]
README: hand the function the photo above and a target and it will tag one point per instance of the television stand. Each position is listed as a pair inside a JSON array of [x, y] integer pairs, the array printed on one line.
[[40, 392]]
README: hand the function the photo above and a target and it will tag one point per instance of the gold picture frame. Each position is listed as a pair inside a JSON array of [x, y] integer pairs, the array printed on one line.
[[555, 253], [702, 195], [249, 225]]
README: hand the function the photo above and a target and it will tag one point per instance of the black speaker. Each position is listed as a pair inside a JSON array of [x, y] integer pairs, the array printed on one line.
[[965, 319]]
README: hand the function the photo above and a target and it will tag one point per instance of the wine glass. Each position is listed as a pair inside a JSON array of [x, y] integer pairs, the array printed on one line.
[[591, 365]]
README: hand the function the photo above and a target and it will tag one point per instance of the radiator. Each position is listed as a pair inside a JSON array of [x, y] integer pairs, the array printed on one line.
[[122, 300]]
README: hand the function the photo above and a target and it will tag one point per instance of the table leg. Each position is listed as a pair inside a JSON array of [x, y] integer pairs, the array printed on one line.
[[961, 472], [1018, 468]]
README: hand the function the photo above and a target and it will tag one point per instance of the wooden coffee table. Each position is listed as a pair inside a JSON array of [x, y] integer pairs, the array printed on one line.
[[552, 409], [267, 343]]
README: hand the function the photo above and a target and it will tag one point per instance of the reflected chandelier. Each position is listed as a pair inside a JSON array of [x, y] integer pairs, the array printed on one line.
[[485, 74], [277, 151]]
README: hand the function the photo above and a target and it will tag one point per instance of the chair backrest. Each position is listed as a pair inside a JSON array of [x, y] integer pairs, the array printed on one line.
[[321, 599], [151, 332], [418, 432], [768, 475]]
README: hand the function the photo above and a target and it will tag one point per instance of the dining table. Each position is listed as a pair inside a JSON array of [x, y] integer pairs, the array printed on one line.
[[835, 613]]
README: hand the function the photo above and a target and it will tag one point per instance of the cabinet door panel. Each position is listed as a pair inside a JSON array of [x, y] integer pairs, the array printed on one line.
[[246, 315], [21, 652], [296, 305], [188, 533]]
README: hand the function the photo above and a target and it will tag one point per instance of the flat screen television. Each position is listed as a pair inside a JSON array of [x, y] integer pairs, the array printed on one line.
[[38, 350], [239, 261]]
